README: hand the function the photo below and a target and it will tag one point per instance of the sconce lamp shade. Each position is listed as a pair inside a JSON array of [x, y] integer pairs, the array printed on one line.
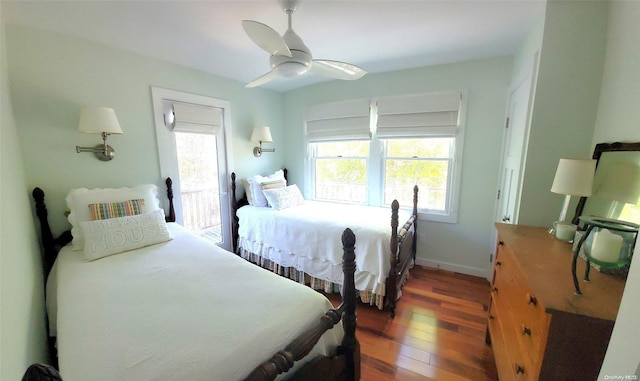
[[574, 177], [622, 183], [99, 120], [96, 120], [261, 134]]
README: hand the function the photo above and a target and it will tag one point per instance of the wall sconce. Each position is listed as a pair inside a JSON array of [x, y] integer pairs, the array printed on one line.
[[261, 134], [103, 121]]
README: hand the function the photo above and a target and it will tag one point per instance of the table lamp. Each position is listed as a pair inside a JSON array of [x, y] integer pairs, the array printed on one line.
[[574, 177]]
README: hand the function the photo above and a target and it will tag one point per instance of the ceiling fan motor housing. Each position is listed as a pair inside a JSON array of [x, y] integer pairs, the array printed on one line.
[[298, 64]]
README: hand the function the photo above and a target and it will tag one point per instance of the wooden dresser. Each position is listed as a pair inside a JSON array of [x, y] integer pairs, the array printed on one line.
[[538, 328]]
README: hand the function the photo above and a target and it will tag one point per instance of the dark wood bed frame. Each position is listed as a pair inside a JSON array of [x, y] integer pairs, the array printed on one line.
[[402, 246], [343, 366]]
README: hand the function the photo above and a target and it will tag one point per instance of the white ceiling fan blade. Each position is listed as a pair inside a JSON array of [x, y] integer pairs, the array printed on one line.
[[262, 79], [266, 38], [337, 69]]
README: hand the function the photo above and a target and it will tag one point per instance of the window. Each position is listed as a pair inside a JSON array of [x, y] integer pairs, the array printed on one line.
[[340, 170], [410, 140], [426, 162]]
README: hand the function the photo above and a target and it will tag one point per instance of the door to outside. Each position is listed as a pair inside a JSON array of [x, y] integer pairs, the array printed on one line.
[[195, 158]]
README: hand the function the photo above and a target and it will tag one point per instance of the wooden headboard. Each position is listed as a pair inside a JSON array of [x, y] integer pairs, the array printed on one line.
[[51, 246], [239, 203]]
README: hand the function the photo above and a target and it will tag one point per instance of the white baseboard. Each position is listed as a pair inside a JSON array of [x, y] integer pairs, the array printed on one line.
[[482, 273]]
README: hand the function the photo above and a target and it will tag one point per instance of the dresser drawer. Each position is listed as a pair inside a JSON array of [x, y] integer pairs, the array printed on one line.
[[512, 364], [530, 321]]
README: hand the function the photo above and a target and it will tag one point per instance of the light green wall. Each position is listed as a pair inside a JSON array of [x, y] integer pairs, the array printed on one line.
[[22, 318], [619, 120], [565, 102], [528, 53], [462, 246], [53, 75]]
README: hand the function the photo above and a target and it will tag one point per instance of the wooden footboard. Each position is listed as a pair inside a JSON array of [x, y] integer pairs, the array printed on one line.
[[345, 365], [402, 244]]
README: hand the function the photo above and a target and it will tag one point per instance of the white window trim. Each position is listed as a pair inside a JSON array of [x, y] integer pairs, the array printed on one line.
[[375, 168], [167, 153]]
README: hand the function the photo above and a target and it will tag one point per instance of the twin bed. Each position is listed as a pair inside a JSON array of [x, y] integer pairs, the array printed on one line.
[[138, 297], [298, 238]]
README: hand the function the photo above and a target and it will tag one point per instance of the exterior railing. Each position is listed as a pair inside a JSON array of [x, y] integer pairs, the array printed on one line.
[[201, 211], [430, 198]]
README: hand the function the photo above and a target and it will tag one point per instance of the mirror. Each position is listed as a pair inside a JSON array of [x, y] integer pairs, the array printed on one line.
[[616, 185]]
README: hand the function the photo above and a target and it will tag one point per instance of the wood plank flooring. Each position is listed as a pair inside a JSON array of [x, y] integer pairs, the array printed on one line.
[[438, 332]]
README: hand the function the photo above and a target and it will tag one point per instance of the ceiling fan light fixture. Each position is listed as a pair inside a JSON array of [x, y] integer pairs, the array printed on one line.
[[291, 69], [294, 66]]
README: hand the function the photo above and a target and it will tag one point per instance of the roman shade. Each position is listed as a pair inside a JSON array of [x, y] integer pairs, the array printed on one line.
[[347, 120], [196, 118], [433, 114]]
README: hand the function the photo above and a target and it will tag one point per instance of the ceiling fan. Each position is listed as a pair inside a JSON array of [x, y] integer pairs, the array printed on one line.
[[290, 57]]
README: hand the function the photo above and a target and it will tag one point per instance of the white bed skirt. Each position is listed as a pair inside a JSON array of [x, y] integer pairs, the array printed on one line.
[[301, 277]]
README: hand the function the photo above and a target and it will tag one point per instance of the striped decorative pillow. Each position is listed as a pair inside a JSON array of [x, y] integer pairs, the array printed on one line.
[[274, 184], [108, 210]]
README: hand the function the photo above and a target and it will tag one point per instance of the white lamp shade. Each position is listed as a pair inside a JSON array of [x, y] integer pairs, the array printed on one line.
[[574, 177], [96, 120], [261, 134]]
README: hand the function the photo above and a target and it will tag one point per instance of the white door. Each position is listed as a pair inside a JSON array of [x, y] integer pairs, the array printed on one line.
[[197, 163], [513, 155]]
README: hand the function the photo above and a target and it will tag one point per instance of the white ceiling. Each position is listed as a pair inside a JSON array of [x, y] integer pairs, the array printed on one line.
[[379, 36]]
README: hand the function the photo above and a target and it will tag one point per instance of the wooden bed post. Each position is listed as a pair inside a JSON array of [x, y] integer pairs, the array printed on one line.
[[50, 252], [391, 292], [45, 231], [172, 213], [49, 244], [234, 217], [350, 344], [415, 221]]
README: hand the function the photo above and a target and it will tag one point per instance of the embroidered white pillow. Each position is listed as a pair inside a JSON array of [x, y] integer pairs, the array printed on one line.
[[282, 198], [116, 235], [78, 201]]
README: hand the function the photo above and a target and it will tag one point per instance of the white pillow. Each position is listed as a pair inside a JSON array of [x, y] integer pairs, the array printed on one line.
[[255, 187], [78, 201], [282, 198], [247, 191], [116, 235]]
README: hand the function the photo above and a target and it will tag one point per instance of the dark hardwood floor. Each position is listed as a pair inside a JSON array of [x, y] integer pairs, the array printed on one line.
[[438, 332]]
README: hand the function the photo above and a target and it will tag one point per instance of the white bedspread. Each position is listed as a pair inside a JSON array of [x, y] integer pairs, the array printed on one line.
[[180, 310], [308, 238]]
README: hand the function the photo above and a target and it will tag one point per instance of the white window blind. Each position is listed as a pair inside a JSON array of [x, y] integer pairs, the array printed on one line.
[[338, 121], [405, 116], [196, 118]]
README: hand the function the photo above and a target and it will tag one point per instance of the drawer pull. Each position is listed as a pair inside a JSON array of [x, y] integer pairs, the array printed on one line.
[[491, 317], [519, 369], [494, 289], [526, 330], [531, 299], [498, 263], [500, 243]]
